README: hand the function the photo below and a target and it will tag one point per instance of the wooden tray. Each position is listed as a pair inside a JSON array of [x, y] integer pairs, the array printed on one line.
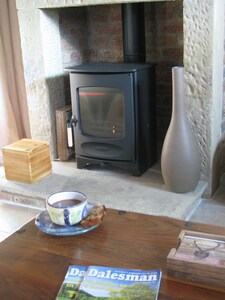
[[199, 257]]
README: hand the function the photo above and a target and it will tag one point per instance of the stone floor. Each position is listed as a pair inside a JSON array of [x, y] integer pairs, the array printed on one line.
[[211, 211], [115, 188]]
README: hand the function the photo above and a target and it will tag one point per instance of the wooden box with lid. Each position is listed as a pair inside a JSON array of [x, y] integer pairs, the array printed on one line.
[[27, 160], [199, 257]]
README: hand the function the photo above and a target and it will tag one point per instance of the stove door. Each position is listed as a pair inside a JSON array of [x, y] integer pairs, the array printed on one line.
[[103, 105]]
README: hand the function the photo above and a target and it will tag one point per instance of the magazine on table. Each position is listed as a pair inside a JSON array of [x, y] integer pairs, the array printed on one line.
[[71, 283], [97, 282]]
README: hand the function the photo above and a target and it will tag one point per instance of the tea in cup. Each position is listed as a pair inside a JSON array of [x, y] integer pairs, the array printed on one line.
[[67, 208]]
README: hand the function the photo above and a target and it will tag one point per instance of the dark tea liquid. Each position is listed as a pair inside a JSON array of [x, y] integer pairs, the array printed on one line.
[[65, 203]]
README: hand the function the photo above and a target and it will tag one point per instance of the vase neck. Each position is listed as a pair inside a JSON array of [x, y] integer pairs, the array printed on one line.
[[178, 91]]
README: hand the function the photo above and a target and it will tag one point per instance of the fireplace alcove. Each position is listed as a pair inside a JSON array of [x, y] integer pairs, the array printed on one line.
[[199, 27], [114, 115]]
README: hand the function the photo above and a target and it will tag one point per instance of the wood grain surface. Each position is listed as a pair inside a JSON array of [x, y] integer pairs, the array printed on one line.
[[33, 264]]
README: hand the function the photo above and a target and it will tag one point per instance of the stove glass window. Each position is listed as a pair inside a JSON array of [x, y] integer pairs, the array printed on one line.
[[102, 112]]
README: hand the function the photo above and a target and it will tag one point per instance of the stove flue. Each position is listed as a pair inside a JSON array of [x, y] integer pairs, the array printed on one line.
[[133, 22]]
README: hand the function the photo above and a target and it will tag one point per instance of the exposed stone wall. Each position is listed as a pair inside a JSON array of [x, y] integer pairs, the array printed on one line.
[[203, 59], [43, 71], [28, 4]]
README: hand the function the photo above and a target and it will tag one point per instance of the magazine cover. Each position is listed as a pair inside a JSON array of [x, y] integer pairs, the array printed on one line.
[[115, 284], [71, 283]]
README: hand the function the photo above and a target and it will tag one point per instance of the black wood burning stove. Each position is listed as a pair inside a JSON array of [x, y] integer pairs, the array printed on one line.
[[114, 112], [113, 105]]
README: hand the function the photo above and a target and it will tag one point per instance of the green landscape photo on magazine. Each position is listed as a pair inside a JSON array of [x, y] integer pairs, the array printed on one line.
[[71, 283]]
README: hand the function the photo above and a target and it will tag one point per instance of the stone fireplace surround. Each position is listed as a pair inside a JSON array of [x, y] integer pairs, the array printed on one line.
[[203, 34]]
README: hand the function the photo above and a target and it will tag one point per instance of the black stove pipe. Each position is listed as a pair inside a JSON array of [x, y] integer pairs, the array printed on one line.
[[133, 22]]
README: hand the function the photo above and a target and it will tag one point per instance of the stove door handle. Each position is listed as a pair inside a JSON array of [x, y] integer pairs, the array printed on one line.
[[73, 121]]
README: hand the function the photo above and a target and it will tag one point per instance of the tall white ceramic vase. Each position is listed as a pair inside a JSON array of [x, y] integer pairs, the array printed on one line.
[[180, 159]]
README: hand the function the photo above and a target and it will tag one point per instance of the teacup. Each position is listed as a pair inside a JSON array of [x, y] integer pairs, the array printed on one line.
[[66, 208]]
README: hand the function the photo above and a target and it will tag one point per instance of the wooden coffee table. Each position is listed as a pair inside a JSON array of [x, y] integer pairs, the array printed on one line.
[[33, 264]]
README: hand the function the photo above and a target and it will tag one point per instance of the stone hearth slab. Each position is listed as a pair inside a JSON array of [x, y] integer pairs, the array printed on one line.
[[115, 188]]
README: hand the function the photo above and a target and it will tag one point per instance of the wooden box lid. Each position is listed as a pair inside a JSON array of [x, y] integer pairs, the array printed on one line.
[[25, 145], [199, 257]]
